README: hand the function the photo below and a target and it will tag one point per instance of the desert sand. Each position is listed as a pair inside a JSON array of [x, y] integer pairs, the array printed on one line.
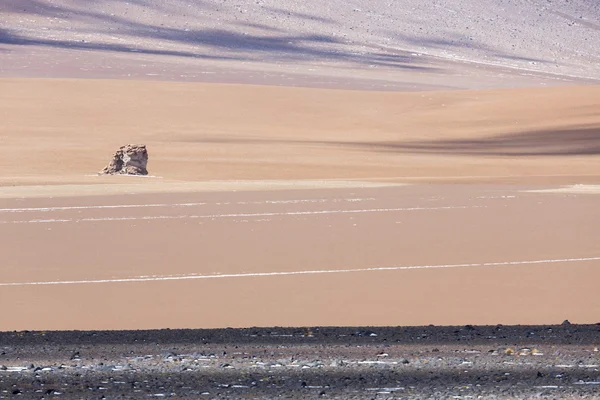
[[63, 131], [253, 152], [386, 256]]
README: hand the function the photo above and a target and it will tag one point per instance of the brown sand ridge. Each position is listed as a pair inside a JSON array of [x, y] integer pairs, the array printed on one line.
[[198, 131]]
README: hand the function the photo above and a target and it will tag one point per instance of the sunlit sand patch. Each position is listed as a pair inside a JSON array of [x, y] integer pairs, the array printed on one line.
[[572, 189], [181, 187]]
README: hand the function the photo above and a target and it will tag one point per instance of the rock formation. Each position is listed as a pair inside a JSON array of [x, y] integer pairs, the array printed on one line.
[[131, 159]]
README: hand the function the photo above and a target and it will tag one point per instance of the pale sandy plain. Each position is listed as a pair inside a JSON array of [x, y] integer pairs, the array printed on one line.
[[296, 181]]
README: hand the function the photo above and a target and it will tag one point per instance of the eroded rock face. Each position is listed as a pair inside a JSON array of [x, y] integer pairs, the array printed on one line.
[[131, 159]]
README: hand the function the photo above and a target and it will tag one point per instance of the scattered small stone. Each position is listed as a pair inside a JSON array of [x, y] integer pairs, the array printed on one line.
[[524, 352], [312, 364], [365, 333]]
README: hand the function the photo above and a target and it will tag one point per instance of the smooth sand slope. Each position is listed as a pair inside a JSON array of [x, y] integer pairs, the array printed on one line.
[[62, 131]]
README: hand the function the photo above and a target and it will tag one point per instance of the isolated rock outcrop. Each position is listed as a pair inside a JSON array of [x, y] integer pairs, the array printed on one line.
[[131, 159]]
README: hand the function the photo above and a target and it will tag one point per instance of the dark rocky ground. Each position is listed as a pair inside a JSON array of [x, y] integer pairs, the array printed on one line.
[[500, 362]]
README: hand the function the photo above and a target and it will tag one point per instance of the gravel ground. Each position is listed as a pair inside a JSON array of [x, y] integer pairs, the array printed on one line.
[[558, 37], [500, 362]]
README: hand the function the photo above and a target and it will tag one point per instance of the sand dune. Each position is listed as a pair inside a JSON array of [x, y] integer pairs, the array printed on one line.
[[63, 131]]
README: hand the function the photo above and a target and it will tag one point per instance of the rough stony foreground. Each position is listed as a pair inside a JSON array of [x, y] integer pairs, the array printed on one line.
[[500, 362]]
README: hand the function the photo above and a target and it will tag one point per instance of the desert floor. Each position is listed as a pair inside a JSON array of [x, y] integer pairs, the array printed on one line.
[[344, 169], [311, 206], [365, 254]]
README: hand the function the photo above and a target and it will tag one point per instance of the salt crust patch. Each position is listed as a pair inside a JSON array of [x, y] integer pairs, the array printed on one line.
[[572, 189], [180, 187]]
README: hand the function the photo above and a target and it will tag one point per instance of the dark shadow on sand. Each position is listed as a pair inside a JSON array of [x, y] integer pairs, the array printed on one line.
[[577, 141], [583, 141]]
